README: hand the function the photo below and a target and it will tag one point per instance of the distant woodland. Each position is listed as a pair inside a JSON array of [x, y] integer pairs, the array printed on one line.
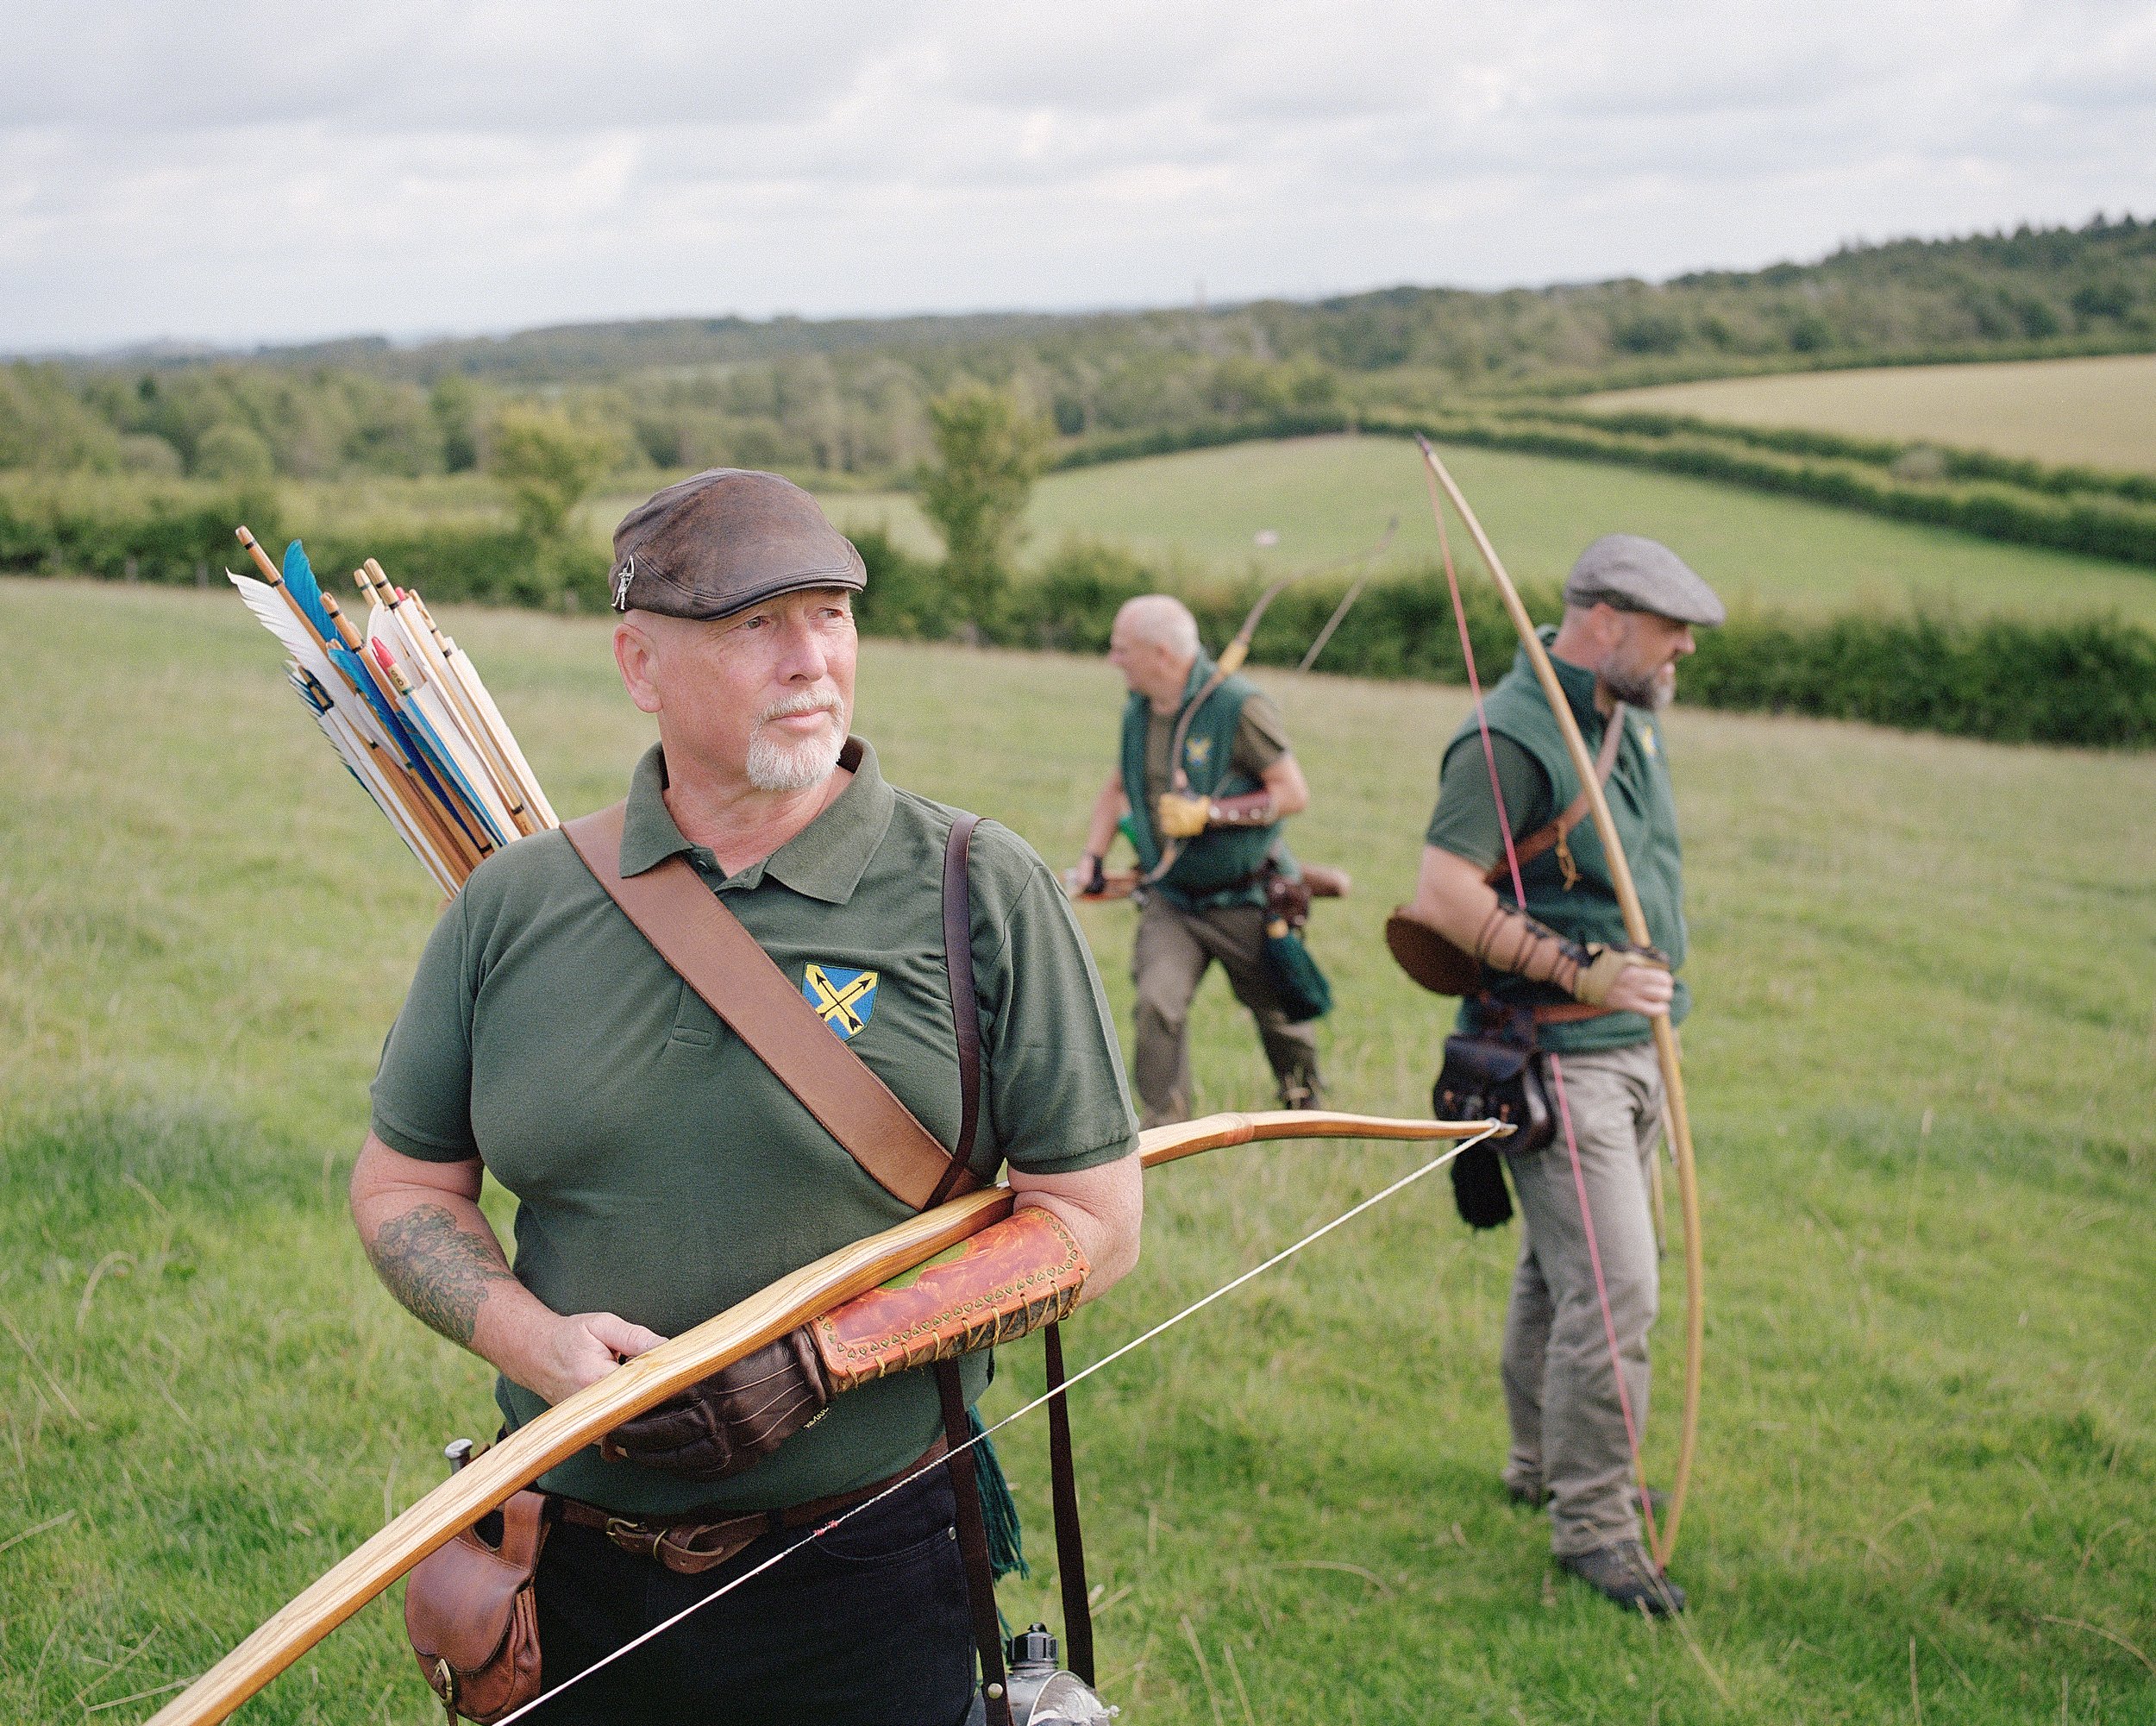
[[851, 397]]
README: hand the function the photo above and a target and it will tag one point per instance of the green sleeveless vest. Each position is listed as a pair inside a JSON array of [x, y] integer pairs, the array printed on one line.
[[1645, 811], [1216, 865]]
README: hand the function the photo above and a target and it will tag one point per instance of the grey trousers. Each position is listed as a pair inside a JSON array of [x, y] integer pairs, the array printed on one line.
[[1168, 962], [1568, 1428]]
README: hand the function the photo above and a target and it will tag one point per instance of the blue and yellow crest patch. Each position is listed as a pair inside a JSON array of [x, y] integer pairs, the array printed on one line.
[[1197, 750], [843, 1000]]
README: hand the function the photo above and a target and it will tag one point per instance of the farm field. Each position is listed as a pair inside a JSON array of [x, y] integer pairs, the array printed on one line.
[[1919, 1071], [1331, 496], [2078, 412]]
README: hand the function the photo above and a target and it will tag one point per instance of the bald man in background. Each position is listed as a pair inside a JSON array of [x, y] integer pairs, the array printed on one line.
[[1208, 905]]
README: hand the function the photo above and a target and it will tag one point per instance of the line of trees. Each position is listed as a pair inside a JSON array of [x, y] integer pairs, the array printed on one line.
[[853, 397]]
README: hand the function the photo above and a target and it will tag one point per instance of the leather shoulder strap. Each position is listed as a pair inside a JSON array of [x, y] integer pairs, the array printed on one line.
[[965, 1003], [718, 959], [1575, 812]]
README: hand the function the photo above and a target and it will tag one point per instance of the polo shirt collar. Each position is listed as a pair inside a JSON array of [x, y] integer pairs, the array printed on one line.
[[1577, 680], [825, 860]]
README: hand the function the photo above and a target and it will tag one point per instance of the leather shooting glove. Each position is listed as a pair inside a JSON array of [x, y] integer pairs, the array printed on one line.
[[732, 1419], [1605, 965], [1180, 817]]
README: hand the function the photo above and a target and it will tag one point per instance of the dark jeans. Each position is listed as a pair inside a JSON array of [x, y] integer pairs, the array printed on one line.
[[868, 1622]]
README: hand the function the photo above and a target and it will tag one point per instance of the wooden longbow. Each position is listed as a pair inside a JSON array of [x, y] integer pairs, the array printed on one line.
[[650, 1378], [1635, 932]]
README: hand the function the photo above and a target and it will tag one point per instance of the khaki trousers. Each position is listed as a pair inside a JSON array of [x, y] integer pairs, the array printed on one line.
[[1568, 1428], [1168, 962]]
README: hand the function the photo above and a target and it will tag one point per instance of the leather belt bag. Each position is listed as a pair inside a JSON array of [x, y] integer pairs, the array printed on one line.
[[693, 1544], [1494, 1074], [470, 1612]]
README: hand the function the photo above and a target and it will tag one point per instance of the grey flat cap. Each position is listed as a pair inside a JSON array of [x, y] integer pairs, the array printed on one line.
[[726, 539], [1636, 574]]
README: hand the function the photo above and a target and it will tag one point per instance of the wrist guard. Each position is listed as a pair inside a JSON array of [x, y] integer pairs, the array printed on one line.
[[1009, 1279], [1510, 941], [1605, 965], [1253, 809]]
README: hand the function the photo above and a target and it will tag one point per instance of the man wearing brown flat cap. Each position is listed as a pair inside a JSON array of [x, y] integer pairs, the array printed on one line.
[[1554, 973], [663, 1172]]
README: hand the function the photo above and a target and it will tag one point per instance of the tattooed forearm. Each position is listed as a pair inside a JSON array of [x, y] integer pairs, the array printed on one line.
[[437, 1270]]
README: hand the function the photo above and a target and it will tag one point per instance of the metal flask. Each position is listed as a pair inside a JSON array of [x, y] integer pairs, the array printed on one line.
[[1041, 1693]]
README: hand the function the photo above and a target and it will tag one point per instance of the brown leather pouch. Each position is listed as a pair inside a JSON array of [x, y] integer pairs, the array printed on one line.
[[470, 1612]]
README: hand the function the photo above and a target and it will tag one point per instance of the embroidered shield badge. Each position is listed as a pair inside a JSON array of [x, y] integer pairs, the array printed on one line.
[[843, 1000]]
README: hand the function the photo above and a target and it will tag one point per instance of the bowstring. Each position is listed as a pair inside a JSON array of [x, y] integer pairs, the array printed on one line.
[[982, 1436], [1556, 1067]]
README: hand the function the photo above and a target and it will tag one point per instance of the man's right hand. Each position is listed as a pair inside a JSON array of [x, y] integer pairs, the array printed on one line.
[[1091, 876], [732, 1419], [559, 1359]]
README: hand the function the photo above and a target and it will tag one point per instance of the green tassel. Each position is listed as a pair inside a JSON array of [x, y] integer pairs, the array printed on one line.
[[999, 1510]]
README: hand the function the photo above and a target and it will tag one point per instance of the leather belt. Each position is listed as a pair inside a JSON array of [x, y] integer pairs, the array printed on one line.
[[1570, 1013], [691, 1544]]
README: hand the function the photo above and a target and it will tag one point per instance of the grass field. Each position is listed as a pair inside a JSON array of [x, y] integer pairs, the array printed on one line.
[[1921, 1077], [2087, 412], [1331, 496]]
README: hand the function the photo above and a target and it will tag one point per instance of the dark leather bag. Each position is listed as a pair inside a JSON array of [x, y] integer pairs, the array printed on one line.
[[1492, 1077], [472, 1617]]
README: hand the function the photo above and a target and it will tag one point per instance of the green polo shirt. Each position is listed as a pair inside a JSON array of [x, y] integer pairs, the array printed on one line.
[[661, 1171]]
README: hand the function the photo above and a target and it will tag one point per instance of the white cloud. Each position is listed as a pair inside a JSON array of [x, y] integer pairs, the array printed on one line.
[[268, 172]]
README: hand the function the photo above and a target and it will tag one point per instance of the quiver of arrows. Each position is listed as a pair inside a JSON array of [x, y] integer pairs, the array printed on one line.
[[405, 710]]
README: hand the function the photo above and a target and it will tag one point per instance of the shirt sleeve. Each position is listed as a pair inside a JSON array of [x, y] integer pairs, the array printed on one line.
[[1465, 821], [1260, 738], [421, 1093], [1058, 1098]]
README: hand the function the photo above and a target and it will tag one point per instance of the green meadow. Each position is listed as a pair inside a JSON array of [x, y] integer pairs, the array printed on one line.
[[2088, 412], [1330, 498], [1919, 1071]]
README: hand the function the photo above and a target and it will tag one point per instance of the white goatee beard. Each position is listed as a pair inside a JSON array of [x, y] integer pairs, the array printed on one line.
[[776, 766]]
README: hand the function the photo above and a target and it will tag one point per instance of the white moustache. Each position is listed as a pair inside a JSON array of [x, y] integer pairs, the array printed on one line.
[[792, 706]]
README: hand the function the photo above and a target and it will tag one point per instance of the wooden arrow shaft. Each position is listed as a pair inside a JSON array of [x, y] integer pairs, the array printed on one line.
[[650, 1378], [1637, 932]]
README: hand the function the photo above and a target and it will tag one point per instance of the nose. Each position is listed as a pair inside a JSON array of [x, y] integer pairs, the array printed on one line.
[[803, 657], [1684, 642]]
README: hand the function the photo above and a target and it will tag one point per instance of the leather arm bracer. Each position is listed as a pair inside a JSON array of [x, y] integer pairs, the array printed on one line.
[[1011, 1278], [1510, 941]]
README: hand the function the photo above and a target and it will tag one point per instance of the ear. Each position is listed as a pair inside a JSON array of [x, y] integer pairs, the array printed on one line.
[[638, 655]]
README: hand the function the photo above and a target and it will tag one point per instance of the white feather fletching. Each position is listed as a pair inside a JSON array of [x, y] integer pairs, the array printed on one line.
[[446, 700]]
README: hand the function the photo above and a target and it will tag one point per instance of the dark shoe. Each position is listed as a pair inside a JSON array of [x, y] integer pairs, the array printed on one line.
[[1295, 1095], [1623, 1572]]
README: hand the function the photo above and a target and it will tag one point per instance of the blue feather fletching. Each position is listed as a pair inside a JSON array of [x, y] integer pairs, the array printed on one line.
[[299, 577]]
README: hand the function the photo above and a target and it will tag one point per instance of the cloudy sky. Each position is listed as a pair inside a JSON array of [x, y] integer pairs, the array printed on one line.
[[240, 172]]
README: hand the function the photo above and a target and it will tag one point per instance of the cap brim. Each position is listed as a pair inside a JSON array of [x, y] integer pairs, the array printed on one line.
[[698, 609]]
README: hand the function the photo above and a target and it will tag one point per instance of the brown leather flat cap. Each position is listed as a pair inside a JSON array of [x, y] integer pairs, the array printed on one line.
[[726, 539]]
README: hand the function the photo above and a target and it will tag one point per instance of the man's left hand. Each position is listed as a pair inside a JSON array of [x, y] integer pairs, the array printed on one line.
[[1180, 817], [732, 1419]]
